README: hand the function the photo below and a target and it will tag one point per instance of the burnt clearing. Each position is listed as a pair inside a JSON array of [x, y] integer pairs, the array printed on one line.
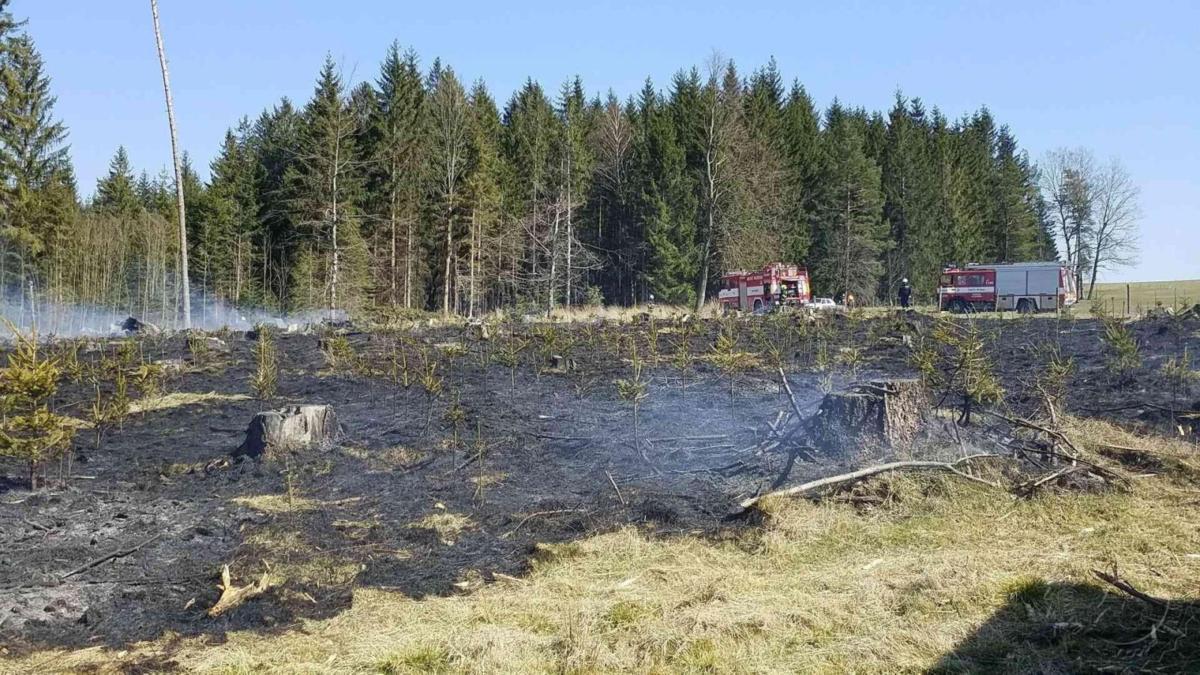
[[434, 493]]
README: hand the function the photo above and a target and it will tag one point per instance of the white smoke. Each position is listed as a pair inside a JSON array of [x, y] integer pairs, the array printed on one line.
[[52, 319]]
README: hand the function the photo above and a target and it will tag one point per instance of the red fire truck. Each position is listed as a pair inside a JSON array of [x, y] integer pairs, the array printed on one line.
[[778, 284], [1024, 287]]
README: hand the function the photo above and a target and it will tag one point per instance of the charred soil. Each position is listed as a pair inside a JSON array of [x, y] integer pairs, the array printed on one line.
[[458, 457]]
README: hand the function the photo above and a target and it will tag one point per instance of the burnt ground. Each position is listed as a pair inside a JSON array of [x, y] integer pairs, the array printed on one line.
[[412, 501]]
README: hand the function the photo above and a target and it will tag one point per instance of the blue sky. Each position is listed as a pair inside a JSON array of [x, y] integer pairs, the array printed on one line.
[[1120, 78]]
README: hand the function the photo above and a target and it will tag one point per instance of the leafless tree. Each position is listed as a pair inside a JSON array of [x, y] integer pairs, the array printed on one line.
[[1066, 177], [1115, 216], [183, 247], [1095, 211], [720, 99]]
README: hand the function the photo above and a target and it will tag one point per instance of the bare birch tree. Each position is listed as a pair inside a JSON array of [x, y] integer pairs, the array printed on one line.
[[183, 247], [1066, 177], [720, 116], [1115, 216]]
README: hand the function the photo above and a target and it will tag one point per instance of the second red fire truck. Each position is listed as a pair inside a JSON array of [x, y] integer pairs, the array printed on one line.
[[1023, 287]]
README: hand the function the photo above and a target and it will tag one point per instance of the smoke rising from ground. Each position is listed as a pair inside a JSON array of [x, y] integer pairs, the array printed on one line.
[[52, 319]]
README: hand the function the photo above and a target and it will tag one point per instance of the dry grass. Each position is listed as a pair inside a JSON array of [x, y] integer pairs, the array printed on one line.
[[946, 576], [447, 525], [276, 504], [180, 398]]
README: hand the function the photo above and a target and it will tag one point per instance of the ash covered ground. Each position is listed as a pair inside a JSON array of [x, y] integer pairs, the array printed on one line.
[[419, 499]]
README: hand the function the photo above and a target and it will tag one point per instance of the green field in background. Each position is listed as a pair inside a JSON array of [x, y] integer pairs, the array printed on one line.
[[1145, 295]]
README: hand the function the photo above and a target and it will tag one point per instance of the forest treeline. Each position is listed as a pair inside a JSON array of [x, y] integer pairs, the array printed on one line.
[[419, 190]]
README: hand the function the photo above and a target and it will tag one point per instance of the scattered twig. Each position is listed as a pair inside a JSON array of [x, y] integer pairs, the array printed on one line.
[[791, 396], [536, 514], [615, 488], [120, 553], [35, 525]]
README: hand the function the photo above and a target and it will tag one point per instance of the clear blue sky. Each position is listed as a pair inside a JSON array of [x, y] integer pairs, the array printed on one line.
[[1121, 78]]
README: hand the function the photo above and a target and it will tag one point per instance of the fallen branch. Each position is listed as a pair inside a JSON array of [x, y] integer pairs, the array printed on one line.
[[1074, 456], [120, 553], [232, 596], [1125, 587], [1030, 487], [951, 467]]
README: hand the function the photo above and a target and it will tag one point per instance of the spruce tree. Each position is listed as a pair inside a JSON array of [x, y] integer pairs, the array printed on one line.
[[574, 173], [851, 234], [400, 128], [33, 154], [530, 130], [116, 192], [323, 185], [487, 246], [666, 204], [273, 142], [800, 137], [909, 192]]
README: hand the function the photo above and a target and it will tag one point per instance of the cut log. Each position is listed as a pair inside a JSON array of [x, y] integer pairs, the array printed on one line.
[[880, 415], [295, 428], [232, 596]]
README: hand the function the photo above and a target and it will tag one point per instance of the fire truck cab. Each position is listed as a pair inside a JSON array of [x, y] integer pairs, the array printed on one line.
[[1024, 287], [776, 285]]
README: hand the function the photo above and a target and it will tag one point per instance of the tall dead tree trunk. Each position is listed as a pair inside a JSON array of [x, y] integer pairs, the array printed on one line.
[[183, 248]]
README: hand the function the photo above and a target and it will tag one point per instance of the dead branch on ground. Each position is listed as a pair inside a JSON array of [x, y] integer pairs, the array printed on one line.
[[120, 553], [951, 467]]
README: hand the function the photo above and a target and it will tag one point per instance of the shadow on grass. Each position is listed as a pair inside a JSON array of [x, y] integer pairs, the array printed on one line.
[[1080, 628]]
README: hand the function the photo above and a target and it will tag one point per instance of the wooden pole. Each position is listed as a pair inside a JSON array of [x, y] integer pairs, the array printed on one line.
[[183, 248]]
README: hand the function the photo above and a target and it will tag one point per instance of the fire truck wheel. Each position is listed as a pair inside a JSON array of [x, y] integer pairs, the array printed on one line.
[[758, 305], [1025, 306]]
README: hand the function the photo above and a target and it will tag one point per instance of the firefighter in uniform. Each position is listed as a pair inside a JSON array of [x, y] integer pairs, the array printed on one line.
[[905, 293]]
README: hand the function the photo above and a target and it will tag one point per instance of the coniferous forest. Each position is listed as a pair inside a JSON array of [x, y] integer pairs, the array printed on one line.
[[419, 189]]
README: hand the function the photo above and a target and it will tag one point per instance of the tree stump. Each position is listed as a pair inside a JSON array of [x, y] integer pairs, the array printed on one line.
[[295, 428], [879, 415]]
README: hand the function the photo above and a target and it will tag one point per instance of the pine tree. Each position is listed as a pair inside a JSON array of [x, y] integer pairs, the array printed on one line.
[[667, 203], [485, 171], [116, 192], [909, 192], [33, 157], [530, 130], [574, 169], [229, 227], [614, 230], [800, 137], [401, 130], [273, 143], [323, 185], [850, 230]]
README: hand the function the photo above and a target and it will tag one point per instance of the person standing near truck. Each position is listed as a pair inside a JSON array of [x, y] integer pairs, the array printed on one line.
[[905, 293]]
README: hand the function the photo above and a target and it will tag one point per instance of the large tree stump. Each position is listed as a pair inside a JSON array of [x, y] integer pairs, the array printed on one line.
[[880, 415], [295, 428]]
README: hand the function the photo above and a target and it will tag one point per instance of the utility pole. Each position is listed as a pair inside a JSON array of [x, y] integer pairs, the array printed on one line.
[[183, 247]]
